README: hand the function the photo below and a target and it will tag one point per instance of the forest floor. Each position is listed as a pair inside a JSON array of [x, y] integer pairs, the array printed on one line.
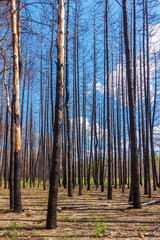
[[87, 222]]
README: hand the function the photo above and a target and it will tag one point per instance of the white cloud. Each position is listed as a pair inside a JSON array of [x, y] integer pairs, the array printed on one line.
[[154, 38], [99, 87]]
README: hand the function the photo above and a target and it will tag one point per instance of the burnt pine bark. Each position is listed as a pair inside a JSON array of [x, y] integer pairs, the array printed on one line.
[[94, 108], [80, 177], [149, 106], [147, 103], [11, 174], [26, 139], [142, 123], [134, 47], [54, 176], [31, 138], [19, 39], [108, 111], [152, 126], [104, 113], [124, 122], [51, 69], [146, 184], [84, 119], [74, 99], [132, 111], [139, 130], [119, 126], [6, 151], [17, 166], [114, 129]]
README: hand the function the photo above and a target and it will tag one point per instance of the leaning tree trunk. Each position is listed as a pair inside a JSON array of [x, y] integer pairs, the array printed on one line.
[[54, 176], [17, 168], [132, 111]]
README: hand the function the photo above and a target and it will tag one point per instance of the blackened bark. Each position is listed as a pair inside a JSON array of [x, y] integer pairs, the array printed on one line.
[[124, 124], [80, 177], [6, 153], [17, 180], [94, 109], [148, 107], [104, 113], [11, 176], [25, 157], [108, 110], [142, 123], [119, 127], [51, 68], [139, 129], [132, 108], [84, 119], [54, 176], [144, 80]]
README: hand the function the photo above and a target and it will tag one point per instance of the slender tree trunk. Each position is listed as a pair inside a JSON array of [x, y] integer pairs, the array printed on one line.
[[146, 184], [94, 109], [119, 128], [6, 152], [11, 177], [108, 110], [54, 176], [51, 68], [104, 110], [132, 108], [84, 119], [148, 103], [16, 80], [25, 160], [124, 122], [142, 120], [68, 108]]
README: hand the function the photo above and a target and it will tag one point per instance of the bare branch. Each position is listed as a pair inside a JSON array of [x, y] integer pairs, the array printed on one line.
[[4, 80]]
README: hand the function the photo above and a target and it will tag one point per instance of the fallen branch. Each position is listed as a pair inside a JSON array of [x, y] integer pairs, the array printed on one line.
[[94, 205], [151, 202], [147, 203], [155, 230], [108, 205]]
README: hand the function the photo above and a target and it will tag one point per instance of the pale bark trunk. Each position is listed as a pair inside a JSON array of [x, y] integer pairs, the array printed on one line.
[[17, 169]]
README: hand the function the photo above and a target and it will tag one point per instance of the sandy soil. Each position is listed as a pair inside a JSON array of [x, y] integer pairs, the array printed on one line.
[[105, 222]]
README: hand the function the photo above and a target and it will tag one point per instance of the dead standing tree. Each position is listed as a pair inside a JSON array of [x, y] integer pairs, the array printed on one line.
[[54, 176], [17, 165], [132, 111]]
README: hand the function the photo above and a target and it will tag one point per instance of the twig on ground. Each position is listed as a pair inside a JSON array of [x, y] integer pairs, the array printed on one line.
[[155, 230]]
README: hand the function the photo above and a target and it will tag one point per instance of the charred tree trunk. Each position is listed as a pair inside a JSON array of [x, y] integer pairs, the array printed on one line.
[[132, 111], [108, 111], [54, 176], [16, 80], [11, 176]]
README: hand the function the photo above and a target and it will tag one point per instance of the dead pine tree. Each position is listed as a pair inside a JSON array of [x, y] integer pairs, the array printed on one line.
[[51, 222], [17, 165], [132, 111], [68, 109], [108, 110]]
